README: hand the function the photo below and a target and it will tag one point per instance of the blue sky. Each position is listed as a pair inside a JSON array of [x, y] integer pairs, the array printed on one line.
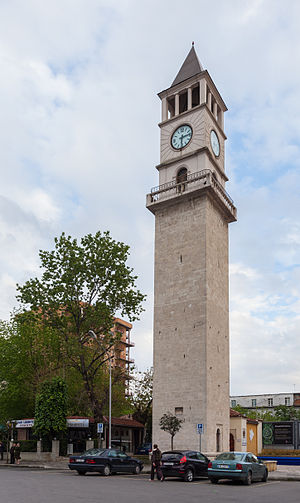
[[79, 143]]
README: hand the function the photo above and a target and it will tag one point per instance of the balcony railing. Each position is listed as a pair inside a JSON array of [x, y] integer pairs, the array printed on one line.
[[201, 179]]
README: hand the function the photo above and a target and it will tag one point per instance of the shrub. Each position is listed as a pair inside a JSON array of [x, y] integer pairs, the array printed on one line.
[[280, 452], [28, 445]]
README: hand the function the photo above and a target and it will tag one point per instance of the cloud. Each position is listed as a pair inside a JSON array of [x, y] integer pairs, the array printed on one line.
[[79, 145]]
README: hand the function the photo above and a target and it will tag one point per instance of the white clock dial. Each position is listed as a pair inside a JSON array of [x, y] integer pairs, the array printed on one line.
[[181, 136], [215, 144]]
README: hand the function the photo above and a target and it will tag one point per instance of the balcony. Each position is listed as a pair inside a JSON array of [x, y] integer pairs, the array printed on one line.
[[125, 359], [195, 184]]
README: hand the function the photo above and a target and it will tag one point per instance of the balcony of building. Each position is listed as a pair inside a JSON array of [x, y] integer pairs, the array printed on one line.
[[195, 183]]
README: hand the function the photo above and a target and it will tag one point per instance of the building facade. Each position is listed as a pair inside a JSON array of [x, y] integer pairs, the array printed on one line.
[[266, 401], [192, 212]]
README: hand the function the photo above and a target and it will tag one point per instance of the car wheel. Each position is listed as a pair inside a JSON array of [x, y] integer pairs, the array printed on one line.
[[80, 472], [107, 470], [265, 477], [214, 481], [248, 480], [189, 475], [137, 469]]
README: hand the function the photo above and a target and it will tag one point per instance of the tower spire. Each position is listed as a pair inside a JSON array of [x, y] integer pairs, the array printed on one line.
[[191, 66]]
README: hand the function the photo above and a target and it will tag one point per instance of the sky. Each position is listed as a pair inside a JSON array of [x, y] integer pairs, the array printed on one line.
[[79, 144]]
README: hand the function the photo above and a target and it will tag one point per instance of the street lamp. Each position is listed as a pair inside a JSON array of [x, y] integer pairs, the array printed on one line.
[[94, 336]]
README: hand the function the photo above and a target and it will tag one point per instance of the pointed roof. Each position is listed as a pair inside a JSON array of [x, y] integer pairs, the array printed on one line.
[[190, 67]]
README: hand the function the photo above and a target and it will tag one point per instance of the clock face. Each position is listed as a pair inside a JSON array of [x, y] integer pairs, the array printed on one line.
[[215, 144], [181, 136]]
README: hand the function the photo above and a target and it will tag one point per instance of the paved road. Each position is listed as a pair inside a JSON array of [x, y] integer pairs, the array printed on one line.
[[34, 486]]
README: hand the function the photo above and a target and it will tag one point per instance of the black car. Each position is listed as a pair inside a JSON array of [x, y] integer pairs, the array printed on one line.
[[106, 461], [184, 464]]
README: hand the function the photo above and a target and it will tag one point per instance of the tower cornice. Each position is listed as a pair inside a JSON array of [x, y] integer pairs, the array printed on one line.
[[204, 150], [189, 112]]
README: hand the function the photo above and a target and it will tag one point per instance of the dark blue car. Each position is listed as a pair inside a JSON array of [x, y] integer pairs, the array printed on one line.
[[144, 449]]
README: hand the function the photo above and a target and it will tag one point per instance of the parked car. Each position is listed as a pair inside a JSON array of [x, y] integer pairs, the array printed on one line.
[[144, 449], [184, 464], [106, 461], [242, 466]]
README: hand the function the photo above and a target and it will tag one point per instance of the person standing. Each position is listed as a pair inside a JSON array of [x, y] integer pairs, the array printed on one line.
[[18, 453], [156, 463], [1, 450], [12, 453]]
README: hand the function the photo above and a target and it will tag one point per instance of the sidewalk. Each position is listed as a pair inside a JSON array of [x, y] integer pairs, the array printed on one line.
[[283, 472]]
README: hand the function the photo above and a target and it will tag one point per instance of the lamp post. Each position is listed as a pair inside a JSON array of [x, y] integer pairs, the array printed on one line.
[[109, 408], [94, 336]]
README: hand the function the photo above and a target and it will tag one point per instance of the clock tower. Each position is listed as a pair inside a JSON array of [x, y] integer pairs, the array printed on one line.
[[192, 211]]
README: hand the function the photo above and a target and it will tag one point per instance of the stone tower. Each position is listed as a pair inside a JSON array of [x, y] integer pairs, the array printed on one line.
[[192, 211]]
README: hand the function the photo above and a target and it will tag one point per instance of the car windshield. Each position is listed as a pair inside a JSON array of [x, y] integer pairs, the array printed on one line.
[[93, 452], [231, 456]]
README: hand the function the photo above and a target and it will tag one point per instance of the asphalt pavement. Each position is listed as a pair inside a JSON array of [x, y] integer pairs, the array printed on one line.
[[60, 485], [283, 472]]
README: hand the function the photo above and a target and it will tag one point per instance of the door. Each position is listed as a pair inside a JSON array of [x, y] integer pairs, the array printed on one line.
[[202, 464], [115, 461], [125, 462], [252, 438]]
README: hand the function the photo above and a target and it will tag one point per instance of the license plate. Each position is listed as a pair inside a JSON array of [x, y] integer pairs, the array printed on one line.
[[79, 460], [223, 466], [168, 464]]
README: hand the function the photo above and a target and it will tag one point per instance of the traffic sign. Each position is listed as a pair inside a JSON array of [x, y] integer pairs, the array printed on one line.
[[200, 428], [99, 427]]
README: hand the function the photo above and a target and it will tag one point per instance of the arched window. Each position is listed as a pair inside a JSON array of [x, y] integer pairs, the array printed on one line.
[[181, 179], [181, 175], [218, 440]]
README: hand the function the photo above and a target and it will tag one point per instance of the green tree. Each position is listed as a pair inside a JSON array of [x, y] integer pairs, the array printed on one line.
[[51, 408], [28, 356], [142, 390], [285, 413], [265, 415], [82, 287], [171, 424]]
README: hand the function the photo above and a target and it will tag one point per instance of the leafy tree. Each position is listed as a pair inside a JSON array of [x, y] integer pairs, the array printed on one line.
[[286, 413], [28, 356], [51, 408], [82, 287], [280, 413], [171, 424], [142, 389]]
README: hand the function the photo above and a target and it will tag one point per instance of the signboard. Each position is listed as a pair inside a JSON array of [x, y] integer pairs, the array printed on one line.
[[279, 433], [200, 428], [24, 423], [99, 427], [78, 423], [283, 433]]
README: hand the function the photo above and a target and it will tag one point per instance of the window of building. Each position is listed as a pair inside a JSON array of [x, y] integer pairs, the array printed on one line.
[[287, 400], [178, 411], [253, 401], [270, 402], [171, 107], [181, 175], [233, 403], [195, 96], [183, 102]]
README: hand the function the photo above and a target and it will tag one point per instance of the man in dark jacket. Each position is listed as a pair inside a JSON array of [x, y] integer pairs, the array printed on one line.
[[1, 450], [155, 463], [12, 454]]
